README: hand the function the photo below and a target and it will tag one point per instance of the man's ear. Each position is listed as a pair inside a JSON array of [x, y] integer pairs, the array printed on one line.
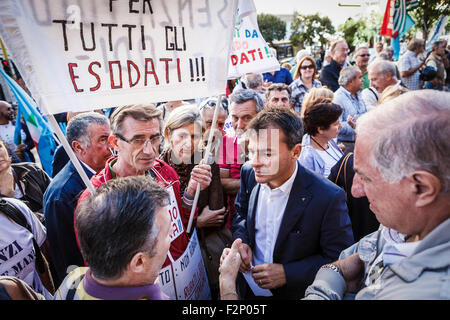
[[137, 263], [296, 151], [425, 186], [77, 147]]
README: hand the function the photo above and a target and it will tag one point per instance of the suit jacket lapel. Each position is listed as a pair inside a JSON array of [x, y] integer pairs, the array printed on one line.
[[297, 202], [253, 203]]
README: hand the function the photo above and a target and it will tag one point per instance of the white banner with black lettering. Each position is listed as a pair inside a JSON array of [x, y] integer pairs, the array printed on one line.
[[84, 55], [185, 278]]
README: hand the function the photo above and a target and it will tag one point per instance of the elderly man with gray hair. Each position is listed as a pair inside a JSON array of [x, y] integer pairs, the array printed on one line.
[[87, 134], [407, 182], [382, 73], [348, 96]]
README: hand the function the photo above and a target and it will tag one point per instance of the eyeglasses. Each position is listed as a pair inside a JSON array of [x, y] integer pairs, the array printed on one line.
[[364, 55], [307, 67], [141, 142]]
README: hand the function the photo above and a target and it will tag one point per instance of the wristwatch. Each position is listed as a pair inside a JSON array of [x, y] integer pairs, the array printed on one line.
[[332, 267]]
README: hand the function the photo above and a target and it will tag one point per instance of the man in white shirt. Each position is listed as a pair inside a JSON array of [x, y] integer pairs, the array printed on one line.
[[7, 130], [409, 64], [382, 74], [289, 219]]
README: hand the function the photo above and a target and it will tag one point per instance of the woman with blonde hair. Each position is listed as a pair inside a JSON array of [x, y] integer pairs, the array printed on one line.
[[183, 147], [304, 80], [312, 95]]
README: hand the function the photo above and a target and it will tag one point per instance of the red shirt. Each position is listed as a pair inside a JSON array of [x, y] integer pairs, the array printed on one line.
[[178, 245], [231, 158]]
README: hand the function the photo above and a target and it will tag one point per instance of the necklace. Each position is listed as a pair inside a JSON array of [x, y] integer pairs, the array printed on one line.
[[329, 147]]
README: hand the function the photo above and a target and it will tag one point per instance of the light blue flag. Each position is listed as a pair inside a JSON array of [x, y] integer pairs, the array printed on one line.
[[40, 130], [408, 23], [438, 30]]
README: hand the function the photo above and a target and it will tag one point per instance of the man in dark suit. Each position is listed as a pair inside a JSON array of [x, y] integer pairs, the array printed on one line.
[[291, 220], [88, 134], [329, 75]]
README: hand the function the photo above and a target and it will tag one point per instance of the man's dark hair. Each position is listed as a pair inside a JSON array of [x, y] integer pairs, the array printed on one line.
[[285, 119], [321, 113], [277, 87], [118, 221], [78, 128], [243, 95]]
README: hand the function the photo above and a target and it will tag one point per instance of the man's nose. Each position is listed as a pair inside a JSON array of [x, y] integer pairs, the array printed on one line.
[[357, 187], [240, 124], [255, 161], [148, 147]]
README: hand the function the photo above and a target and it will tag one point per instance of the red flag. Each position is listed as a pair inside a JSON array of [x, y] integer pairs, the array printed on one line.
[[388, 20]]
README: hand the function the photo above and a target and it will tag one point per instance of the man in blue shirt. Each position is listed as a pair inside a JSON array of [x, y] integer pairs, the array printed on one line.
[[281, 76], [349, 98]]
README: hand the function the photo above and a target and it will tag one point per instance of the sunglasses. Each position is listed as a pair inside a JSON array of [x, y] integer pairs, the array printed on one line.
[[364, 55], [307, 67], [213, 102]]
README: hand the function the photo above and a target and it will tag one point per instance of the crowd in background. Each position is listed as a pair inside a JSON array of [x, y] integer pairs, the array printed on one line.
[[279, 212]]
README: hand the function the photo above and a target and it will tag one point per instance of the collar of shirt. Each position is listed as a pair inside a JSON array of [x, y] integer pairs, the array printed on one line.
[[286, 186], [99, 291], [396, 248], [269, 214], [89, 168]]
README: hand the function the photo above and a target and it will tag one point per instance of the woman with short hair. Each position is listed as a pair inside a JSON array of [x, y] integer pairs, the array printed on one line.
[[320, 151]]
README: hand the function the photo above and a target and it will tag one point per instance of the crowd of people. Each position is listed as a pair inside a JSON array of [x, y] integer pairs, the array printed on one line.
[[328, 183]]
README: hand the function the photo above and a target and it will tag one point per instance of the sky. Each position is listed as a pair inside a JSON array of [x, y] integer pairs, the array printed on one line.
[[330, 8]]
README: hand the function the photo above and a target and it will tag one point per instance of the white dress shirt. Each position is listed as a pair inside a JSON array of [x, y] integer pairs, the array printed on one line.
[[269, 213]]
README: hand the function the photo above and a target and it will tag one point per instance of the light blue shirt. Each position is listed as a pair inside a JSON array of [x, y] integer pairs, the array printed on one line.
[[351, 106]]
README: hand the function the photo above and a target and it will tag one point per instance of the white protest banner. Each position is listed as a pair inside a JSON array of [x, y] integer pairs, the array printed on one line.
[[84, 55], [185, 278], [250, 52]]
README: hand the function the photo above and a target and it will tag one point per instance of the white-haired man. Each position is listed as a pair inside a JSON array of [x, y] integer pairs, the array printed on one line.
[[348, 96], [382, 73], [406, 179]]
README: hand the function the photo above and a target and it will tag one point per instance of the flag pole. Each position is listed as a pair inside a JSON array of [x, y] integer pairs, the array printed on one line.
[[71, 154], [205, 160]]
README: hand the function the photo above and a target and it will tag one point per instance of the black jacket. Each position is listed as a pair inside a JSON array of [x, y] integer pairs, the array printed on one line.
[[329, 75], [32, 181]]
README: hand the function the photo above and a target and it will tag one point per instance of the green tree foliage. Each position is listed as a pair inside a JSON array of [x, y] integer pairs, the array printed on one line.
[[427, 14], [363, 30], [272, 28], [308, 30]]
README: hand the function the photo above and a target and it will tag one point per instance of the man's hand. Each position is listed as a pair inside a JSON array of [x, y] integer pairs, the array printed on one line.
[[269, 275], [246, 255], [201, 173], [352, 121], [210, 218], [230, 261], [229, 267], [352, 269]]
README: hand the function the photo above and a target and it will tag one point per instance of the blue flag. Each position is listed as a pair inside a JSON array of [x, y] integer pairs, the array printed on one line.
[[40, 130]]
